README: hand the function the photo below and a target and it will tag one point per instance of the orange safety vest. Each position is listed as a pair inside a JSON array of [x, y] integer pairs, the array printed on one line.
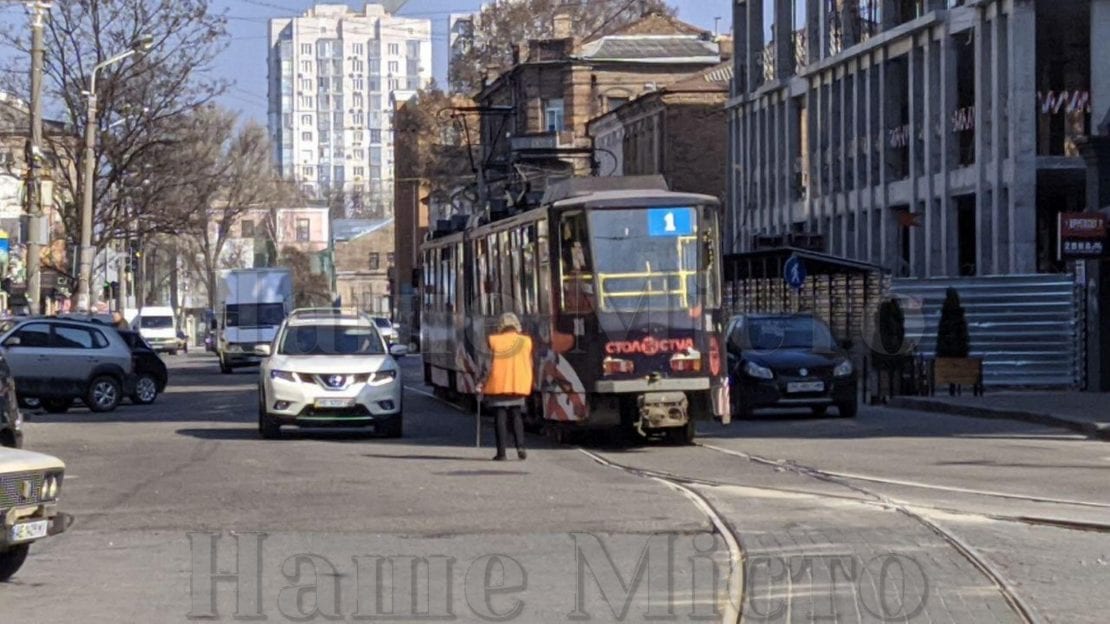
[[511, 367]]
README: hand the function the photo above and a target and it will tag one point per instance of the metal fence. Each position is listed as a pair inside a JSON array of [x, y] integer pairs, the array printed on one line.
[[1027, 328]]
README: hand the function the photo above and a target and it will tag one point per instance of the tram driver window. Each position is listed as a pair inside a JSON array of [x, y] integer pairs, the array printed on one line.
[[577, 270]]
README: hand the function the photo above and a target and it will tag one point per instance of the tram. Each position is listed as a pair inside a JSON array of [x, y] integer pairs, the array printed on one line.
[[618, 282]]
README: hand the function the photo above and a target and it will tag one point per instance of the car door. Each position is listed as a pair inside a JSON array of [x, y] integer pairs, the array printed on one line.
[[75, 353], [28, 357]]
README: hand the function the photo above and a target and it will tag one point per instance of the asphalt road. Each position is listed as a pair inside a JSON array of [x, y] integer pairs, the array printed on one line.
[[182, 513]]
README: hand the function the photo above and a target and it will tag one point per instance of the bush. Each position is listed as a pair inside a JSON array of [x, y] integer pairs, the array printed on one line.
[[952, 336]]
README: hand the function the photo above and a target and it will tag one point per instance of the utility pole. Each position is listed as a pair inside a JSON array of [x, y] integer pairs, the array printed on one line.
[[35, 161]]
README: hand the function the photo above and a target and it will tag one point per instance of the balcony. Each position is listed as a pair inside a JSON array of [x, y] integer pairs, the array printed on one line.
[[546, 142]]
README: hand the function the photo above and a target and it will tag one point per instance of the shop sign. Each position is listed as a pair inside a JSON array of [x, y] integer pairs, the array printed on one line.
[[1081, 235]]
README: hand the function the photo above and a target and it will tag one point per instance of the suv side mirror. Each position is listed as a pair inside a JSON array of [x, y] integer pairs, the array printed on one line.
[[398, 350], [13, 341]]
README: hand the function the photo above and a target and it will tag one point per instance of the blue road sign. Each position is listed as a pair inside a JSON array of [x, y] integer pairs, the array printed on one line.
[[794, 272], [670, 221]]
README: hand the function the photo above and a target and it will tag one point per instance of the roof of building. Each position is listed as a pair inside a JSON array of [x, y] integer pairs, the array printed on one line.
[[653, 38], [716, 78], [349, 229], [15, 117]]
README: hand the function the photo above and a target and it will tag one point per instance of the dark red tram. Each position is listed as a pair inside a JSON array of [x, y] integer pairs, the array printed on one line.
[[618, 281]]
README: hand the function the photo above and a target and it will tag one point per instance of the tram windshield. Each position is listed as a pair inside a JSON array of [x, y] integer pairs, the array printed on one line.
[[647, 258]]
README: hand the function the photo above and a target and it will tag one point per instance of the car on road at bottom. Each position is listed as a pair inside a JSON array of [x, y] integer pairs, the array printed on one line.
[[788, 361], [150, 372], [328, 367], [55, 361], [30, 484]]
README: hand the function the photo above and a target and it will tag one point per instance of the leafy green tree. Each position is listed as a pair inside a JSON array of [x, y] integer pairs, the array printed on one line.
[[952, 334]]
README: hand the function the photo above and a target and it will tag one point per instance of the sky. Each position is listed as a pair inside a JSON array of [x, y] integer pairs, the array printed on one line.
[[244, 61]]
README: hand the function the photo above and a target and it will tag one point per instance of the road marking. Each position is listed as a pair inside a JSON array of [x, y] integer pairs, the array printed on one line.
[[434, 398], [732, 610]]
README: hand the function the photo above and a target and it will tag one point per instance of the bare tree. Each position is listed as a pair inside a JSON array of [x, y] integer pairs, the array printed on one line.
[[141, 101], [503, 23], [311, 289]]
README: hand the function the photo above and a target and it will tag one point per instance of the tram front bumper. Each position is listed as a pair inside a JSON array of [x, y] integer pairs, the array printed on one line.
[[660, 410]]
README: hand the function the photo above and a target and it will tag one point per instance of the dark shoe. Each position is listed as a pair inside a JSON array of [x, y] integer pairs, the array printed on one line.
[[498, 458], [522, 454]]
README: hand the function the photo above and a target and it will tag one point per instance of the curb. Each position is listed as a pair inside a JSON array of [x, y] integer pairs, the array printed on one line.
[[1096, 430]]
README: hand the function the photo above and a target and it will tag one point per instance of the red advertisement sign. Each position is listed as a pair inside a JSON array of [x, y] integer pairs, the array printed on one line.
[[649, 346]]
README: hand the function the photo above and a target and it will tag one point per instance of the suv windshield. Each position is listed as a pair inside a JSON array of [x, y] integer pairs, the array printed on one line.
[[331, 340], [790, 332]]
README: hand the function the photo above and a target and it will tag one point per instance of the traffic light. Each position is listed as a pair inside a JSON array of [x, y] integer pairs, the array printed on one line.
[[115, 290], [106, 291], [134, 255]]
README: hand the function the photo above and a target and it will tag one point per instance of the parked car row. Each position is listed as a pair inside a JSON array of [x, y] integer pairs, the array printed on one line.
[[55, 361]]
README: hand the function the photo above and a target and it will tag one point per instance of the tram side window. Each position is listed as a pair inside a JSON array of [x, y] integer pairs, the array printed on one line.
[[543, 280], [506, 272], [711, 239], [446, 279], [528, 268], [516, 245], [483, 277], [494, 275], [575, 264], [457, 272]]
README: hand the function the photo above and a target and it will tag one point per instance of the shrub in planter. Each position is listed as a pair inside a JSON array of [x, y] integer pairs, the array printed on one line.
[[952, 336]]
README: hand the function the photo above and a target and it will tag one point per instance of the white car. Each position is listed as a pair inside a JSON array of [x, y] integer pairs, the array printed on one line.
[[30, 484], [325, 368]]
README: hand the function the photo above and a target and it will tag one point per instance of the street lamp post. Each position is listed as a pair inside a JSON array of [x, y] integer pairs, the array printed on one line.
[[140, 46]]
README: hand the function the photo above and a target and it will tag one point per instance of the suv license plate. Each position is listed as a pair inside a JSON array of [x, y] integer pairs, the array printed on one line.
[[334, 402], [28, 531], [805, 386]]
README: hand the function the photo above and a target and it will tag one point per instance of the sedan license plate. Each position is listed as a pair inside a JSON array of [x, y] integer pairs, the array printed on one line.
[[333, 403], [805, 386], [28, 531]]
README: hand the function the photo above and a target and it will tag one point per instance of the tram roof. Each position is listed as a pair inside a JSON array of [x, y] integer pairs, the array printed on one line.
[[617, 191]]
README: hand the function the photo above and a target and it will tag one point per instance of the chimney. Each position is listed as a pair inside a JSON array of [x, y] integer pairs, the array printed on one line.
[[724, 47], [563, 26]]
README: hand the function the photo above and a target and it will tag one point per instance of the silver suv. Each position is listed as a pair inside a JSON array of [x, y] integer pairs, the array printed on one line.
[[57, 361]]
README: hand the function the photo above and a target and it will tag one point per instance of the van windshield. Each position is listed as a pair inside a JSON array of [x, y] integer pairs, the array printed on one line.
[[254, 315], [156, 322]]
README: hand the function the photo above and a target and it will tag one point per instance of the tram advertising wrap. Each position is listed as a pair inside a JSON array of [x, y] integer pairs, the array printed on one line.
[[618, 281]]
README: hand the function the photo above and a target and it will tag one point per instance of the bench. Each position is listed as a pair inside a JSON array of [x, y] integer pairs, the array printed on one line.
[[956, 373]]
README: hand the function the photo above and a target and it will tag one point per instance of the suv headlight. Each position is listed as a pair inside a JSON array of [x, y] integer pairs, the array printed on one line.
[[752, 369], [843, 369], [284, 375], [382, 377]]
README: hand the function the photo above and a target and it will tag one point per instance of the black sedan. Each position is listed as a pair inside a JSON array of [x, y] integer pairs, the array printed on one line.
[[151, 375], [786, 361]]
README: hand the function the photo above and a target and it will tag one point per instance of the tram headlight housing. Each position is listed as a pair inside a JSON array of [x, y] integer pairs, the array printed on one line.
[[617, 366]]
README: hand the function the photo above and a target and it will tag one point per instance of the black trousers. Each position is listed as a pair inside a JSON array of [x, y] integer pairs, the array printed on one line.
[[502, 415]]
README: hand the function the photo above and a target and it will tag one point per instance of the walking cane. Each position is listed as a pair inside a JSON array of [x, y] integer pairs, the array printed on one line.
[[478, 423]]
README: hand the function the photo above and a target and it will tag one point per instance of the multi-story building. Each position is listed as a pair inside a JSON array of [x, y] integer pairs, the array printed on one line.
[[933, 137], [535, 113], [678, 132], [460, 36], [334, 76]]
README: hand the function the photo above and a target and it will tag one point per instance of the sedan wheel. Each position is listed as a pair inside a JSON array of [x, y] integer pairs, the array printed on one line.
[[146, 390], [103, 394]]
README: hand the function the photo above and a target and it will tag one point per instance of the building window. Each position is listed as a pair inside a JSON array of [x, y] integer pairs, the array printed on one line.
[[553, 115], [307, 101], [394, 67], [374, 261], [356, 100], [306, 120], [360, 171], [306, 67], [393, 84], [359, 119], [306, 136], [303, 230], [389, 259], [617, 102], [360, 83], [308, 171], [246, 228], [358, 66], [394, 49], [357, 49], [375, 135], [306, 48]]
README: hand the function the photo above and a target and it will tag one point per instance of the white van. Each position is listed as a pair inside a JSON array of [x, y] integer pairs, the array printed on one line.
[[157, 325]]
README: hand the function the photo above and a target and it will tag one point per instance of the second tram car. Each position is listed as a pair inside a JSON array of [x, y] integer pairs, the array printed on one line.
[[618, 282]]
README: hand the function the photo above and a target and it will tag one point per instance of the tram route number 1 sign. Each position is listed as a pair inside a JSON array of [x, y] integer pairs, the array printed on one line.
[[670, 221], [1081, 235]]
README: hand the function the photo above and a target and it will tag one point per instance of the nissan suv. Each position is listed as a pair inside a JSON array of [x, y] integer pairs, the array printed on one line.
[[56, 361], [329, 368]]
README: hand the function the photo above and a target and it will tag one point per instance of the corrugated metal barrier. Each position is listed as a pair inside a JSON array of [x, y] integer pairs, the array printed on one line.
[[1027, 328]]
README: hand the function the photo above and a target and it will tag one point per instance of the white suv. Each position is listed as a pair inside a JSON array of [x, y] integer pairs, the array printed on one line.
[[327, 367]]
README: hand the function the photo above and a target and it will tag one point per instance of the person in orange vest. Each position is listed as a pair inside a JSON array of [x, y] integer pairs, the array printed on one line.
[[508, 380]]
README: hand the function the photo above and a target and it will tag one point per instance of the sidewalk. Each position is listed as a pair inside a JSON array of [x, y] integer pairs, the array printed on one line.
[[1085, 412]]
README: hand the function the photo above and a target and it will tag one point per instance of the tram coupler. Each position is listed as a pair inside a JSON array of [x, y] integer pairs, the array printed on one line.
[[662, 410]]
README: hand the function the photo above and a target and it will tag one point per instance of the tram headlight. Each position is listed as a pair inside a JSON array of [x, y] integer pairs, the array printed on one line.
[[617, 366]]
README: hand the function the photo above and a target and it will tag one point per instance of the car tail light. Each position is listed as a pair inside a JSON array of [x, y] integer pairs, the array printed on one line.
[[617, 366]]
